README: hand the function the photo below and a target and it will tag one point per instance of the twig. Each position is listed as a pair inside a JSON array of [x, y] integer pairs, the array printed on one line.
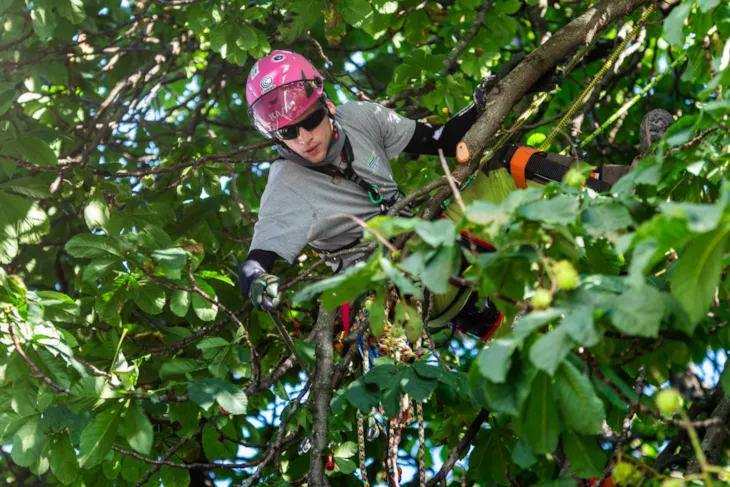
[[165, 457], [638, 389], [460, 448], [452, 183], [377, 234], [35, 371]]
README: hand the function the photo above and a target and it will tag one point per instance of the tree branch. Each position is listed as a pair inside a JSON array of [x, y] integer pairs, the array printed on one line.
[[322, 392], [460, 448]]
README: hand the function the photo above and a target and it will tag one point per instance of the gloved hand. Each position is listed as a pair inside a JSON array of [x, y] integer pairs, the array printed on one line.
[[264, 292], [481, 94]]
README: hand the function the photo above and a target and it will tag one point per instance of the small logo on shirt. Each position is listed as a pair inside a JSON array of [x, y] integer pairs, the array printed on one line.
[[373, 161]]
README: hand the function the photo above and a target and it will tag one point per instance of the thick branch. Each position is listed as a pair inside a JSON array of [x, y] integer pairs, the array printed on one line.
[[322, 393]]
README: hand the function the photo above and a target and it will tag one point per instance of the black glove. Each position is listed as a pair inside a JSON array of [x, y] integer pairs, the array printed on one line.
[[481, 94], [264, 292]]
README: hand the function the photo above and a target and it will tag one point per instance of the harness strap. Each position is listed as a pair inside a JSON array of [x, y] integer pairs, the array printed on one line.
[[347, 171]]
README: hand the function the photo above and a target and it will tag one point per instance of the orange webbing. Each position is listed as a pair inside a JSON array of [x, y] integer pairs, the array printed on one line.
[[518, 163]]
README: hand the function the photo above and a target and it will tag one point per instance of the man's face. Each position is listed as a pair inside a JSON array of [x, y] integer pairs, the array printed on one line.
[[312, 144]]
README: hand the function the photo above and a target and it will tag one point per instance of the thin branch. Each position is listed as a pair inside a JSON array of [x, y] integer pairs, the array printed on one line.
[[460, 448], [165, 457], [35, 371], [638, 389]]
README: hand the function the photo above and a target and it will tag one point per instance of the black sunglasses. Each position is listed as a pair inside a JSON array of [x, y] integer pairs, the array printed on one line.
[[310, 123]]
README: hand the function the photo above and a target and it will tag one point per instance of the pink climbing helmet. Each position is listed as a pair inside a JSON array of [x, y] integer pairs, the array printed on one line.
[[280, 88]]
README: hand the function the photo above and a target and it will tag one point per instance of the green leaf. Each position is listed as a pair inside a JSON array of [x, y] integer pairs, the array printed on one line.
[[580, 406], [405, 286], [96, 214], [138, 430], [707, 5], [303, 15], [215, 447], [490, 456], [150, 297], [561, 210], [34, 187], [64, 463], [541, 424], [606, 219], [674, 23], [98, 438], [73, 10], [437, 233], [418, 388], [175, 258], [27, 443], [97, 268], [377, 313], [700, 218], [44, 22], [531, 322], [33, 149], [586, 458], [417, 26], [522, 455], [204, 392], [698, 271], [345, 450], [551, 349], [638, 311], [363, 396], [180, 302], [204, 309], [389, 226], [89, 393], [179, 367], [345, 466], [494, 361], [578, 322], [86, 245], [174, 477], [357, 13]]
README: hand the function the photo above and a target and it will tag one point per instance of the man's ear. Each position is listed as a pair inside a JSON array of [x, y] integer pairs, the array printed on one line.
[[331, 107]]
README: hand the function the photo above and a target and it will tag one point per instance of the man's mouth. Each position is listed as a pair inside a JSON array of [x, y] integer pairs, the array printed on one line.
[[312, 150]]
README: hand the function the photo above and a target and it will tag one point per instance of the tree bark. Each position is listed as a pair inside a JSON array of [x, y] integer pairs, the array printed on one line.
[[714, 441], [322, 394]]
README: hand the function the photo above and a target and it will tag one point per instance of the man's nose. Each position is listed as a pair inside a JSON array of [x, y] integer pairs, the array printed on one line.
[[304, 135]]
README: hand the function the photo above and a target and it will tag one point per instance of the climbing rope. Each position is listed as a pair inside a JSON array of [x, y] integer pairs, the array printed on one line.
[[604, 69], [398, 348], [507, 134], [627, 106]]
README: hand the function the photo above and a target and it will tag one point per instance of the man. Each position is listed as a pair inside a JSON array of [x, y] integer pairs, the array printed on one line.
[[334, 162]]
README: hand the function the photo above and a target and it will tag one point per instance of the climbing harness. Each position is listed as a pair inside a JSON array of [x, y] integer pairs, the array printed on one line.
[[346, 170]]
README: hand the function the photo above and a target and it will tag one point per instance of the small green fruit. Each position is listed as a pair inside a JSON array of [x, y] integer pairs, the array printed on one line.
[[625, 473], [574, 178], [668, 401], [541, 299], [566, 275], [148, 181]]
